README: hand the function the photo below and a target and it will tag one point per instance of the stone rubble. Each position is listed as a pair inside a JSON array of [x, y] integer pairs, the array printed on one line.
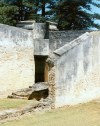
[[37, 91], [11, 113]]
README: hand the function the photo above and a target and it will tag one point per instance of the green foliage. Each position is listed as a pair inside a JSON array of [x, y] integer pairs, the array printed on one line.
[[96, 16], [25, 9], [72, 14], [28, 9], [44, 7], [87, 114], [6, 104], [7, 14]]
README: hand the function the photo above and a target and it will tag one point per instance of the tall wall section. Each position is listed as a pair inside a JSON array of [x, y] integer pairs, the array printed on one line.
[[77, 69], [16, 59]]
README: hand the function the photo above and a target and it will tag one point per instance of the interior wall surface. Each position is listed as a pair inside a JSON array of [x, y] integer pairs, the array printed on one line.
[[60, 38], [16, 59], [78, 71]]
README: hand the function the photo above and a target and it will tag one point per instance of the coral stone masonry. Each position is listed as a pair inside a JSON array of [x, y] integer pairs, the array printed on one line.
[[68, 62]]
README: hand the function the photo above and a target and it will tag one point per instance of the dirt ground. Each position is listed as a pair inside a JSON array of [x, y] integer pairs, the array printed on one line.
[[87, 114]]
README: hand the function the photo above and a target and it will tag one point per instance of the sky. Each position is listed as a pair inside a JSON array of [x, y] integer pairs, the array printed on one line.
[[96, 10]]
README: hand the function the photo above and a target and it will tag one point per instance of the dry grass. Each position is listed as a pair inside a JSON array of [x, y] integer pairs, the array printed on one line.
[[13, 103], [82, 115]]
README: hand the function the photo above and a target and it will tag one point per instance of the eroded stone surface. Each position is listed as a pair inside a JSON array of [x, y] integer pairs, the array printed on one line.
[[13, 113], [37, 91], [72, 67]]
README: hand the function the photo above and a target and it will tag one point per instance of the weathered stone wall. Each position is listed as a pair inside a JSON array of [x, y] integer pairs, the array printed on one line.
[[74, 75], [40, 31], [16, 59], [78, 70], [52, 85], [60, 38], [41, 47]]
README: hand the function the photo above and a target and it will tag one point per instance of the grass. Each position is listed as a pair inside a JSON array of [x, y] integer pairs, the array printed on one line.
[[81, 115], [13, 103]]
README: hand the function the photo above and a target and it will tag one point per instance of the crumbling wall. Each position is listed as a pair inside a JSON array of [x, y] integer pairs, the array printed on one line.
[[78, 70], [16, 59]]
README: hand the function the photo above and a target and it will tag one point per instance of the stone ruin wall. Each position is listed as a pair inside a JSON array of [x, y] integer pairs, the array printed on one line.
[[17, 49], [77, 70], [16, 59], [73, 79]]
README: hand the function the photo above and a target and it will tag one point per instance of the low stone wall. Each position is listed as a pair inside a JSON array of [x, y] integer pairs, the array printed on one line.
[[78, 70], [16, 59]]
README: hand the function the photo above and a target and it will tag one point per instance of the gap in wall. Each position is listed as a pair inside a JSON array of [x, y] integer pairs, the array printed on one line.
[[41, 69]]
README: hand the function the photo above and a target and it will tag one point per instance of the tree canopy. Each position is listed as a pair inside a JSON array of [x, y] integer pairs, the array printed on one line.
[[7, 14], [69, 14], [75, 14]]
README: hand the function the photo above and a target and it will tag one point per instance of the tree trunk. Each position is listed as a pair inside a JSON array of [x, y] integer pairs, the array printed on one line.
[[36, 4], [20, 4], [43, 8]]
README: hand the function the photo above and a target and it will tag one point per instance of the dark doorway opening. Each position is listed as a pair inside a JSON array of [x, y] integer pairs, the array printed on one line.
[[41, 69]]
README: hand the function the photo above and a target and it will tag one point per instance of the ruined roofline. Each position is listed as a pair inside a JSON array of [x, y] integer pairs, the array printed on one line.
[[71, 45], [28, 21], [53, 23], [14, 28], [95, 32], [74, 42], [13, 36], [75, 31], [69, 31]]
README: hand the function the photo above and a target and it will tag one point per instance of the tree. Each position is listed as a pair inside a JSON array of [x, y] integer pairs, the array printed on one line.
[[7, 14], [25, 9], [45, 9], [74, 14], [38, 10]]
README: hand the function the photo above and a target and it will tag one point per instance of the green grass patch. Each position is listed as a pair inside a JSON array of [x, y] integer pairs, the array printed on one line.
[[80, 115], [13, 103]]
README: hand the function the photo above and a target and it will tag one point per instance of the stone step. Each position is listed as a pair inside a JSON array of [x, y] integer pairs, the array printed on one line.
[[37, 91], [23, 93], [16, 97]]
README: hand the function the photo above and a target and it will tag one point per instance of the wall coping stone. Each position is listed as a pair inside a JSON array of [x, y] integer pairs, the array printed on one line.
[[71, 45], [4, 26]]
